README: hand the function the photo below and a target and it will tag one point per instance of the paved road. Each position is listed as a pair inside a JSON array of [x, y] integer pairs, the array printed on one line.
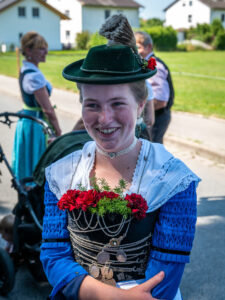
[[204, 277]]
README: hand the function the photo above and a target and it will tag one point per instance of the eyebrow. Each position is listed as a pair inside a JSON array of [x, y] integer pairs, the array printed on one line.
[[111, 99]]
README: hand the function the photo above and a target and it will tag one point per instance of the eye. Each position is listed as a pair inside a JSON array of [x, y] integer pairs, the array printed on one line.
[[91, 105], [118, 103]]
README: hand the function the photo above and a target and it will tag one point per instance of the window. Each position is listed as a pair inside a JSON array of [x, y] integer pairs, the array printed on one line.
[[22, 11], [20, 35], [189, 18], [67, 34], [35, 12], [222, 17], [190, 3], [67, 13], [183, 4], [107, 13]]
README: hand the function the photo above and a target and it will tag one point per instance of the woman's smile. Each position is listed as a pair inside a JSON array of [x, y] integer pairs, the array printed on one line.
[[109, 114]]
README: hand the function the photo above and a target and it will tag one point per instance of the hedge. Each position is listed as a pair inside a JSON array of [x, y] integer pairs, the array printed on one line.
[[164, 38]]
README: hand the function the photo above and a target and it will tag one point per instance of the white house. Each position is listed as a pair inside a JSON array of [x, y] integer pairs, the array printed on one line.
[[89, 15], [189, 13], [20, 16]]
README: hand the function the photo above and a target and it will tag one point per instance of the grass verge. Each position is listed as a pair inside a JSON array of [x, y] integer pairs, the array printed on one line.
[[199, 77]]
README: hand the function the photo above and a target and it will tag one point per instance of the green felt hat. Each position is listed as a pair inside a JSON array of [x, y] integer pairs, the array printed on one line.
[[108, 64]]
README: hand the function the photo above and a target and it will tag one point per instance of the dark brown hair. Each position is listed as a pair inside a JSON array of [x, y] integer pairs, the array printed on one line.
[[138, 89]]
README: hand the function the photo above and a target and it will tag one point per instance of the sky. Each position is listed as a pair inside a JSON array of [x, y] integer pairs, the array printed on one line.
[[153, 8]]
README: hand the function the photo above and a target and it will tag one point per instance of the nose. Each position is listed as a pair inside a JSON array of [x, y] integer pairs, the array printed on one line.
[[105, 116]]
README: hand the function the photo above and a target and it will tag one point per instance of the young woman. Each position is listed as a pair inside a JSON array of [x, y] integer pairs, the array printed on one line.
[[113, 92], [30, 141]]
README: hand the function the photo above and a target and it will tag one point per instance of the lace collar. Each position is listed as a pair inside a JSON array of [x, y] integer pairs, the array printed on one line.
[[157, 177]]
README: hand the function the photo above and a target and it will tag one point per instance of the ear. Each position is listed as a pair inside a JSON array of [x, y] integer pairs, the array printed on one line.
[[27, 51], [140, 108]]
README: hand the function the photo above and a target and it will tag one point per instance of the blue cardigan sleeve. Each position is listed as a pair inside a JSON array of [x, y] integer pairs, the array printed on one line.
[[172, 241], [56, 252]]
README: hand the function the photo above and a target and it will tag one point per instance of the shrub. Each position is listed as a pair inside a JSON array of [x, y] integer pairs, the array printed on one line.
[[164, 38], [207, 37], [216, 26], [189, 47], [82, 40], [219, 41], [181, 47], [191, 32], [203, 28], [151, 22], [96, 39]]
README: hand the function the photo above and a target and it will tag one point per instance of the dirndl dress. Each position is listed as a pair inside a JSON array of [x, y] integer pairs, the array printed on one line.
[[29, 140]]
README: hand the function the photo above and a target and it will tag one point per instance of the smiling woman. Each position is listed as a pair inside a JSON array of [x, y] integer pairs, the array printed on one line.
[[88, 250]]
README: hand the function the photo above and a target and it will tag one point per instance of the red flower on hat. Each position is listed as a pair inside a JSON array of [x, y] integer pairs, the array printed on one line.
[[151, 63]]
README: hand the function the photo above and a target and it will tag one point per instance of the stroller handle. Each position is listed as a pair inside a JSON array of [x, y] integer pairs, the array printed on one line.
[[6, 115], [5, 119]]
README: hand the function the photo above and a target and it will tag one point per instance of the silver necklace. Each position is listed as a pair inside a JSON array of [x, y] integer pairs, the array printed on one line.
[[121, 152]]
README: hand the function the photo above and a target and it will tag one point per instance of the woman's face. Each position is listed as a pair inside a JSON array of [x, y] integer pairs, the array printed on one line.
[[109, 113], [37, 55]]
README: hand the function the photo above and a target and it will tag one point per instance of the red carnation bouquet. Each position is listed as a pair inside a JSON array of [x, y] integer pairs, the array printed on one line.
[[102, 200]]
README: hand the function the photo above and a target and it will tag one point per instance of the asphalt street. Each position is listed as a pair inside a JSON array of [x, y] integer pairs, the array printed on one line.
[[204, 277]]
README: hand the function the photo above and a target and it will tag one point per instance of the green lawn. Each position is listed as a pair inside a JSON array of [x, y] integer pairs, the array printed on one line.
[[199, 77]]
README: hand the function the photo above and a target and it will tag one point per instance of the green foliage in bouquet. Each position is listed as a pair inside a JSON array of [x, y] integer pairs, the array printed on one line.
[[115, 205], [101, 185]]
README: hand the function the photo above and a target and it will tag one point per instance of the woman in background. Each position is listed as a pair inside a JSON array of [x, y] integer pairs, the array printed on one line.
[[30, 141]]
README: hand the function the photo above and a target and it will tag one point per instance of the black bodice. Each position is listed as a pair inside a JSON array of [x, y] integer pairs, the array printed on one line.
[[111, 247]]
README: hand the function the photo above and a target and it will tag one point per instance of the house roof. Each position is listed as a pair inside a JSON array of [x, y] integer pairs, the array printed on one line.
[[114, 3], [5, 4], [214, 4]]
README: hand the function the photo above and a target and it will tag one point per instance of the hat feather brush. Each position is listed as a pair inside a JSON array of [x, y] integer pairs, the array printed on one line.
[[118, 31]]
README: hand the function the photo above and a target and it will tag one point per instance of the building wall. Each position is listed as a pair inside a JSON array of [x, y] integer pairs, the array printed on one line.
[[69, 28], [94, 17], [218, 14], [187, 13], [11, 25]]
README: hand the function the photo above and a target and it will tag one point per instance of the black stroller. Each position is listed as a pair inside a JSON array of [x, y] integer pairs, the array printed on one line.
[[29, 209]]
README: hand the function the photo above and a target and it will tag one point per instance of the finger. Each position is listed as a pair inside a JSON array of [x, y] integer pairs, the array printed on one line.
[[154, 281]]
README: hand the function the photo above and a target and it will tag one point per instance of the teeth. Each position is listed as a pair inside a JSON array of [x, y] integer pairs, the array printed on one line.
[[110, 130]]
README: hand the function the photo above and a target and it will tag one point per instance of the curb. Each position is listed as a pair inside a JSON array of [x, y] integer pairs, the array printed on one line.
[[198, 149]]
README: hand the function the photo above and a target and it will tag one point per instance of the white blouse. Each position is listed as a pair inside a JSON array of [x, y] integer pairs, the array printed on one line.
[[158, 175], [35, 80]]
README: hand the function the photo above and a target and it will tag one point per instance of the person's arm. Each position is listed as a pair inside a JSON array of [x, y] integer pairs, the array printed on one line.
[[160, 87], [172, 241], [96, 290], [149, 113], [56, 251], [42, 97], [159, 104]]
